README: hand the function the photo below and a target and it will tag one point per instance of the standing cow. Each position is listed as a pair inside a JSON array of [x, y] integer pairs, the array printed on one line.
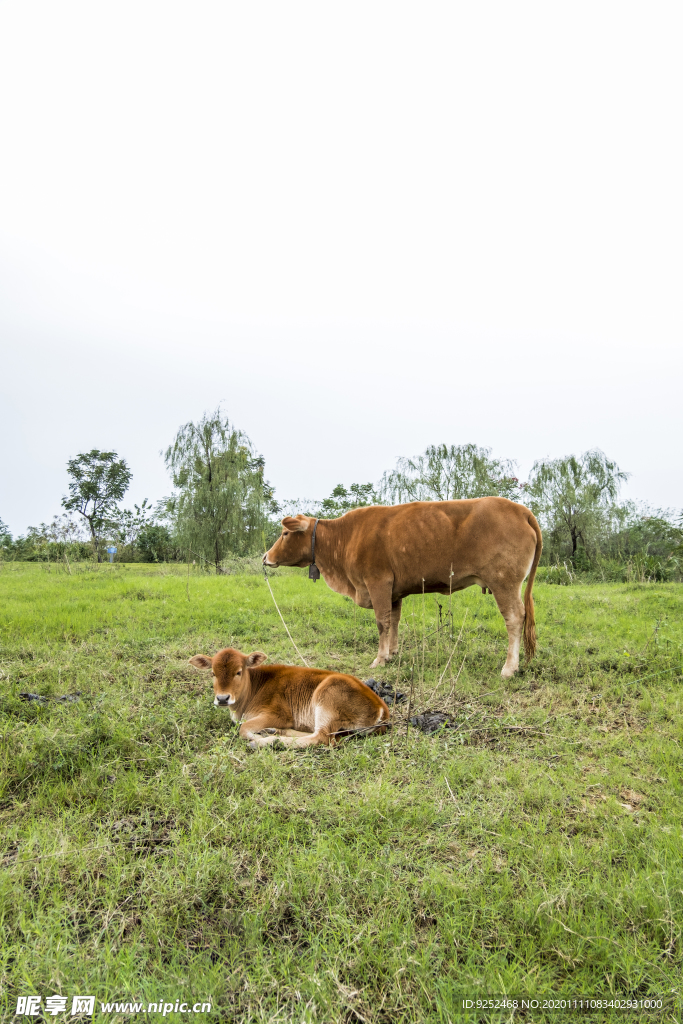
[[380, 554]]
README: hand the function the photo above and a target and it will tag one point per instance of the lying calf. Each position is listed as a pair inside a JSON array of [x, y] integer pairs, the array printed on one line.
[[301, 706]]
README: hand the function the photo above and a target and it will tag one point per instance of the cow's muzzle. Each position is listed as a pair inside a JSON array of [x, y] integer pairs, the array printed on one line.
[[221, 700]]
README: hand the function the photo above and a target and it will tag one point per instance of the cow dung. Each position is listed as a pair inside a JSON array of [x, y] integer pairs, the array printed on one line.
[[431, 721], [387, 693]]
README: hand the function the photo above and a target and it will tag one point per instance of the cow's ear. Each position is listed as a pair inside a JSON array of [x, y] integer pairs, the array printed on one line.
[[257, 658], [201, 661], [295, 523]]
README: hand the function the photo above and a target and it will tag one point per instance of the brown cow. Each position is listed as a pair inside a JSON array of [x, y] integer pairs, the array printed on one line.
[[380, 554], [302, 707]]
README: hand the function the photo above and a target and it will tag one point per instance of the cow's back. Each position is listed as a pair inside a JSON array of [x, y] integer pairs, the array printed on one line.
[[293, 690], [427, 540], [285, 680]]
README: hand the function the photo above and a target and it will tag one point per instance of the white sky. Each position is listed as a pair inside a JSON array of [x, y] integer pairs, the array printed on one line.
[[364, 227]]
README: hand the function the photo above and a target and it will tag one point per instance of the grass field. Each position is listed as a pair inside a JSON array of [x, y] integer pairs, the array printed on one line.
[[535, 850]]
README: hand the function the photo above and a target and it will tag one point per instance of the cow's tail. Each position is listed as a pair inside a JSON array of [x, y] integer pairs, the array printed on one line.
[[529, 617]]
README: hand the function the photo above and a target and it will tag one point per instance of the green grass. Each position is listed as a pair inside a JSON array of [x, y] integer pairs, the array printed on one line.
[[146, 855]]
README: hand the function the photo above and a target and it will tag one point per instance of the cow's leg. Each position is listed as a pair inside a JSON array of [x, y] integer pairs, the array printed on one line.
[[511, 608], [287, 737], [383, 609], [328, 737], [393, 629], [308, 739], [249, 729], [324, 726], [333, 716]]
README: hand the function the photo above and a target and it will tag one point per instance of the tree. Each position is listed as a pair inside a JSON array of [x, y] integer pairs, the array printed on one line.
[[341, 500], [447, 472], [155, 543], [129, 524], [63, 530], [574, 496], [100, 480], [5, 536], [223, 499], [637, 529]]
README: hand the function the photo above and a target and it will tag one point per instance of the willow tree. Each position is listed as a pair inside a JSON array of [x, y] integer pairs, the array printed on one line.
[[575, 496], [222, 501], [448, 472]]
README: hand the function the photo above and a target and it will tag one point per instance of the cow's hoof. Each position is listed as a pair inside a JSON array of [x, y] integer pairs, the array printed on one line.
[[507, 673], [378, 662]]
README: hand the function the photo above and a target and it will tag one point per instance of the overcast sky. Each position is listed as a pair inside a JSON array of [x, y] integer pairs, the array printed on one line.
[[363, 227]]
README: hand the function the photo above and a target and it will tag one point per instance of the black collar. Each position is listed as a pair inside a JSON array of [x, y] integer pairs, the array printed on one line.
[[313, 570]]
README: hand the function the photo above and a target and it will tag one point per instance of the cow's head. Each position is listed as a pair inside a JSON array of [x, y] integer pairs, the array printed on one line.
[[230, 673], [293, 546]]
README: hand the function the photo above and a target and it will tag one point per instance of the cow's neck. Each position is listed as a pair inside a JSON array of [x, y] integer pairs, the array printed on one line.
[[330, 549], [241, 705]]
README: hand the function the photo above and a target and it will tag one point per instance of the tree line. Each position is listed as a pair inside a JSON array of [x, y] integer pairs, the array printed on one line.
[[222, 506]]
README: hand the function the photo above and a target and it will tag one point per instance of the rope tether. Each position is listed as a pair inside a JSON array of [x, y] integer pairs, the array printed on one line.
[[283, 621]]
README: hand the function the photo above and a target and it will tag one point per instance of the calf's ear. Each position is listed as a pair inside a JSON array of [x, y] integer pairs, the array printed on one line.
[[295, 523], [201, 661], [257, 658]]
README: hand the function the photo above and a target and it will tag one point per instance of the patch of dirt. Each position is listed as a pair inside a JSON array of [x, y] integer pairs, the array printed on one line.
[[41, 698], [144, 835], [10, 855], [423, 920]]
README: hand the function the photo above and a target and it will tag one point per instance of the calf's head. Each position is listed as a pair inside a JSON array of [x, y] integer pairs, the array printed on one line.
[[230, 670], [293, 546]]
